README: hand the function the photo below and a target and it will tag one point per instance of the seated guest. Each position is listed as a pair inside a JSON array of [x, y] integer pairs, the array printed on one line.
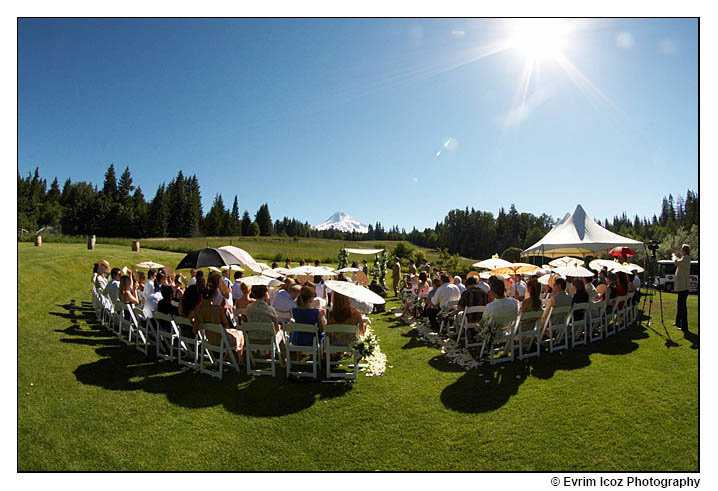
[[141, 280], [518, 288], [423, 286], [457, 282], [343, 313], [447, 292], [190, 300], [150, 283], [259, 310], [284, 301], [473, 296], [319, 286], [621, 286], [532, 300], [126, 292], [436, 283], [100, 280], [482, 285], [200, 310], [580, 295], [633, 287], [165, 306], [243, 301], [178, 288], [559, 298], [303, 313], [590, 289], [502, 310], [112, 290], [94, 272], [610, 287], [193, 277]]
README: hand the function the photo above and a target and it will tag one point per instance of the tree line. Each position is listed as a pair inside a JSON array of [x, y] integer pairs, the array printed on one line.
[[119, 209]]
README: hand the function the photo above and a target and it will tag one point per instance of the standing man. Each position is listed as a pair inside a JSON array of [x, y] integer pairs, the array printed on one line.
[[682, 285], [396, 275], [412, 268]]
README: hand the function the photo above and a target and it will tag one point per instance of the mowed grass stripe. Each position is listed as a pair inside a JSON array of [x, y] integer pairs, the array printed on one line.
[[625, 403]]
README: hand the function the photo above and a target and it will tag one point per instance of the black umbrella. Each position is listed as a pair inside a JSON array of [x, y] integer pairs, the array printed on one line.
[[206, 257]]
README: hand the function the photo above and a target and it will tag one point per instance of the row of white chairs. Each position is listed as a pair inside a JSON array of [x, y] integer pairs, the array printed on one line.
[[564, 327], [261, 343]]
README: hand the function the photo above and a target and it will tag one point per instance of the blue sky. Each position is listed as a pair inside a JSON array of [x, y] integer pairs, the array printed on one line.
[[391, 120]]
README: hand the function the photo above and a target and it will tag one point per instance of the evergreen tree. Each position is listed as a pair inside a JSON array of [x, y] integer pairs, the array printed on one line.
[[193, 210], [109, 188], [53, 195], [264, 220], [214, 221], [236, 226], [125, 187], [177, 202], [246, 223], [159, 214]]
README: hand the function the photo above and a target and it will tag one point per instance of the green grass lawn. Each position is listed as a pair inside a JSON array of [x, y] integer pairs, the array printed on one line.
[[88, 402]]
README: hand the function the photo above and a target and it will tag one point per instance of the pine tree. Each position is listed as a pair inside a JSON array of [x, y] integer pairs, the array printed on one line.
[[193, 210], [109, 188], [125, 187], [264, 220], [177, 202], [53, 195], [236, 228], [214, 221], [159, 214], [246, 223]]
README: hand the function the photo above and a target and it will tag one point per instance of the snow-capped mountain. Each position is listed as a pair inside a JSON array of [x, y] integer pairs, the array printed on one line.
[[342, 221]]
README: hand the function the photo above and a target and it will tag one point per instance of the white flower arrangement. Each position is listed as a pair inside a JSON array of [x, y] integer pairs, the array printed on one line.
[[372, 354], [449, 347]]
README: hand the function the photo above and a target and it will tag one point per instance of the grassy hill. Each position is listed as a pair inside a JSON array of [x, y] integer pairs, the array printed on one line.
[[87, 402]]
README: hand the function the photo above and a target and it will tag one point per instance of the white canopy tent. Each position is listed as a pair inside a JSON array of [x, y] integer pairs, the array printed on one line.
[[577, 235]]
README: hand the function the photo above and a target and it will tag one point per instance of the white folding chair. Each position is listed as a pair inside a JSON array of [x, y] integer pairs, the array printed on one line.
[[107, 308], [621, 313], [596, 321], [465, 326], [214, 354], [528, 330], [609, 326], [501, 342], [188, 347], [446, 316], [144, 330], [124, 325], [334, 345], [578, 328], [260, 336], [313, 351], [167, 335], [557, 328], [284, 317]]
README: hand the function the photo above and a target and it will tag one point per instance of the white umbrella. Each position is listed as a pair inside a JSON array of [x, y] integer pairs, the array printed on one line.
[[348, 270], [546, 267], [613, 266], [544, 280], [493, 263], [356, 292], [233, 267], [537, 272], [283, 271], [311, 271], [634, 267], [566, 261], [260, 280], [242, 256], [149, 265], [574, 271], [215, 269]]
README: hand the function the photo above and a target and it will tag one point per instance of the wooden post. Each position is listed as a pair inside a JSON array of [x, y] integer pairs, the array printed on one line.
[[38, 241]]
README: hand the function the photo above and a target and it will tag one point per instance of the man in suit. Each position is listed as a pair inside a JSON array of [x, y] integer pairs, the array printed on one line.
[[681, 285]]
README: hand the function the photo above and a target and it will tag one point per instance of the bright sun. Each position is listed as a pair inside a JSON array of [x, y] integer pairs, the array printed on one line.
[[538, 39]]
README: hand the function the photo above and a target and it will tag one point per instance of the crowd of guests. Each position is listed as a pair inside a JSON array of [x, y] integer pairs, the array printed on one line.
[[216, 299], [505, 298]]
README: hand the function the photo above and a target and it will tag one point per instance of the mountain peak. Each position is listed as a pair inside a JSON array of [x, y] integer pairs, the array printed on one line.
[[343, 222]]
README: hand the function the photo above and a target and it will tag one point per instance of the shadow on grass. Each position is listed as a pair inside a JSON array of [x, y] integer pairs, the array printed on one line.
[[122, 367], [489, 387]]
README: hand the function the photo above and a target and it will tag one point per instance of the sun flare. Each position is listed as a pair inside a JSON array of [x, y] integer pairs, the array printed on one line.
[[539, 39]]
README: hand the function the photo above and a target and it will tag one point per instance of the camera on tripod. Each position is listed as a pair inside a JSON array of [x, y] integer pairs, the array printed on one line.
[[653, 245]]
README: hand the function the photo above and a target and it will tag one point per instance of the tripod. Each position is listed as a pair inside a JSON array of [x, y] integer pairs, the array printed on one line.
[[651, 290]]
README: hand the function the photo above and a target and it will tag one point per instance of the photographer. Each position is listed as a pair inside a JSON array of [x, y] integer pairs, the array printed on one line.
[[682, 285]]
